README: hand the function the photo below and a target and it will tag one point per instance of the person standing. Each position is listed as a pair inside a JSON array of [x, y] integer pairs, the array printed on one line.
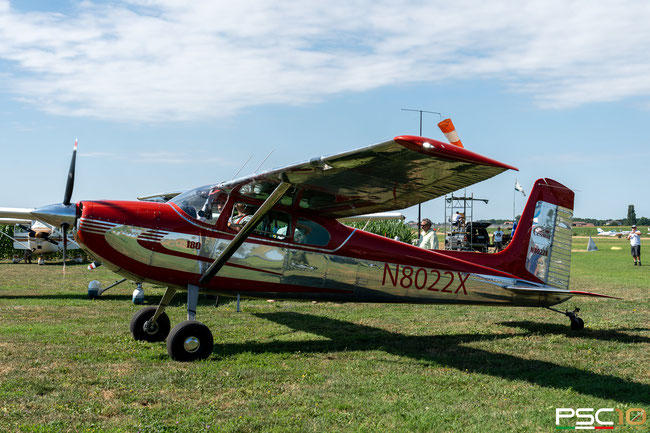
[[428, 238], [635, 244], [498, 240]]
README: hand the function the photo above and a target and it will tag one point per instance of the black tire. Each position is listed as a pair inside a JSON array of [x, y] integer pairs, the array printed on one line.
[[161, 328], [577, 324], [190, 341]]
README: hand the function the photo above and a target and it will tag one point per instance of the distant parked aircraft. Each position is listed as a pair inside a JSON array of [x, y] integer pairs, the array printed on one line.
[[602, 232]]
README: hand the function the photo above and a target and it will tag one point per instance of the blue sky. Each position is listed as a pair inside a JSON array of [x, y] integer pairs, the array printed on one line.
[[164, 96]]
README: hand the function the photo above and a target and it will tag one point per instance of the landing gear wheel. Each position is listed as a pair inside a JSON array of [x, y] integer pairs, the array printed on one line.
[[141, 331], [577, 324], [190, 341]]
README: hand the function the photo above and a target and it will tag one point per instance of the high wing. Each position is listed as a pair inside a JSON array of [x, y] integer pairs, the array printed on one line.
[[16, 213], [395, 174]]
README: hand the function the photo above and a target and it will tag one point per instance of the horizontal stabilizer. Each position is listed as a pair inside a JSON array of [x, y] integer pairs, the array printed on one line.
[[547, 290]]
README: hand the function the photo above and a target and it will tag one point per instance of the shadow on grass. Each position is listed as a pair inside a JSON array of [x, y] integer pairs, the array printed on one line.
[[154, 300], [445, 350], [594, 334]]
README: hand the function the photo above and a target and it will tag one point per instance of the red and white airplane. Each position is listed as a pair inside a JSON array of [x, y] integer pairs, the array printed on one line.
[[276, 235]]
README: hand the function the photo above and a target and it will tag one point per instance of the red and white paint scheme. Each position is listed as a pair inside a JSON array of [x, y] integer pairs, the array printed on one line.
[[277, 235]]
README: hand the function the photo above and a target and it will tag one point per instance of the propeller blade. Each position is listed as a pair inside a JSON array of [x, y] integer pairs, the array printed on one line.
[[70, 185], [31, 232], [47, 238], [64, 229], [43, 235]]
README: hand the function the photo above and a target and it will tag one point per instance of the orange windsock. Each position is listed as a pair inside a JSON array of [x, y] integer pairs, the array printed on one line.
[[447, 128]]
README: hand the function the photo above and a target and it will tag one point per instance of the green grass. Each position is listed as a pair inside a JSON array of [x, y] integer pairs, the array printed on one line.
[[68, 363]]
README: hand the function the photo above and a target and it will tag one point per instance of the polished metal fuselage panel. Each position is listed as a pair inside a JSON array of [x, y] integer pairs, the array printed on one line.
[[305, 273]]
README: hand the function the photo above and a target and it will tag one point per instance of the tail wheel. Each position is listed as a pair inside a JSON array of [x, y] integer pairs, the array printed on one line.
[[141, 331], [190, 341]]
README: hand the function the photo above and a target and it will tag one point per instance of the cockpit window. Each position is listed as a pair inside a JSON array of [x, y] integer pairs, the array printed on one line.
[[273, 225], [310, 233], [261, 190], [203, 203]]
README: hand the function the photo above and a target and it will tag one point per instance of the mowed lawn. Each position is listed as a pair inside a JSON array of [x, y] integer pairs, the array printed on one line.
[[68, 363]]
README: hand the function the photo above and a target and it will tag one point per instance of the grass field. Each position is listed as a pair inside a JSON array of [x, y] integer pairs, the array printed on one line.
[[68, 363]]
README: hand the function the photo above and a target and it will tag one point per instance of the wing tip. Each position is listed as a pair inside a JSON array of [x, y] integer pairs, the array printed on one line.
[[429, 145]]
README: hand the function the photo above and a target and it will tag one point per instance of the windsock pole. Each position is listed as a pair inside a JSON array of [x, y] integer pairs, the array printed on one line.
[[447, 128]]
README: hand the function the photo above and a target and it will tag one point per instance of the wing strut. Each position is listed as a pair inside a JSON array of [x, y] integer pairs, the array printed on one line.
[[3, 233], [243, 234]]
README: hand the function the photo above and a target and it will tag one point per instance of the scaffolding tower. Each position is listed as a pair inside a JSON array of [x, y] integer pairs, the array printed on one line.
[[464, 205]]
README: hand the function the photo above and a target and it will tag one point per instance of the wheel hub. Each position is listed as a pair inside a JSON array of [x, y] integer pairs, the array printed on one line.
[[191, 344], [150, 328]]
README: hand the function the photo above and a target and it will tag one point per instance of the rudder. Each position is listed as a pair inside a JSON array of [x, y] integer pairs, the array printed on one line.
[[541, 247]]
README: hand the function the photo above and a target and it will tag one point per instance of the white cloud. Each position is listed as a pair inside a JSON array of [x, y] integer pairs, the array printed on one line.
[[160, 60]]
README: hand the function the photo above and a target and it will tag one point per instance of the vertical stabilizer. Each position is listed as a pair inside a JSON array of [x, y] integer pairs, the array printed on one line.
[[540, 249]]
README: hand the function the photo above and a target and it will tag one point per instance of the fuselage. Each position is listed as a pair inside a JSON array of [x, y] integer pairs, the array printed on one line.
[[163, 243]]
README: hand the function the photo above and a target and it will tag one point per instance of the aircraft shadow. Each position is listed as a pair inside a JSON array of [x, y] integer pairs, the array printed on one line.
[[594, 334], [71, 296], [150, 300], [445, 350]]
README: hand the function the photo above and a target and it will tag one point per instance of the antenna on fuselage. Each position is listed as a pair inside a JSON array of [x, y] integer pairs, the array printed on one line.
[[241, 168], [263, 161]]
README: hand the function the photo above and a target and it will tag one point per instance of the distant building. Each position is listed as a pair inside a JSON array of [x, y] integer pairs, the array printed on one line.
[[614, 223], [582, 224]]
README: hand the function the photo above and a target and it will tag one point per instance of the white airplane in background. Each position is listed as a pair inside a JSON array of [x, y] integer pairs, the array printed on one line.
[[36, 237], [602, 232]]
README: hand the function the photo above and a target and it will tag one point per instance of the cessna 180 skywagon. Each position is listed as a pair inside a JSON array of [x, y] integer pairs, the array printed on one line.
[[276, 235]]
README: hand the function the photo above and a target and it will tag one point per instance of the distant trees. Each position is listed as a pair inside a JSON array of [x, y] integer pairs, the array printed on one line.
[[631, 215], [6, 244]]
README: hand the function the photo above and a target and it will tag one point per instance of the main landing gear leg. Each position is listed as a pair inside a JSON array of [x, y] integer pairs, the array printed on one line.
[[190, 340], [152, 323], [577, 324]]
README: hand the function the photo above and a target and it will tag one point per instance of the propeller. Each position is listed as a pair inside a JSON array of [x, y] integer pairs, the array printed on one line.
[[70, 184], [66, 200], [64, 214], [43, 235]]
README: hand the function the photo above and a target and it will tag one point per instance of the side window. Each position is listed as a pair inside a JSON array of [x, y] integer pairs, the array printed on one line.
[[273, 225], [310, 233]]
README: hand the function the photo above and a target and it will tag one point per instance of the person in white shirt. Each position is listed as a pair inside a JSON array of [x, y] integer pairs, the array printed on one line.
[[428, 238], [456, 219], [635, 244], [498, 240]]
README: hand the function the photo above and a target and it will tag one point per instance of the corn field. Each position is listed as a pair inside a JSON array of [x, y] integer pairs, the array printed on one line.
[[388, 228]]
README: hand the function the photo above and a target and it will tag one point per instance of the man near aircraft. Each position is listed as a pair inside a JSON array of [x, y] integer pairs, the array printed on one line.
[[428, 238], [498, 240], [635, 244]]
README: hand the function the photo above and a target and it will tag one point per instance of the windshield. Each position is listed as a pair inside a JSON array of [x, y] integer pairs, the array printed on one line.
[[200, 202]]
